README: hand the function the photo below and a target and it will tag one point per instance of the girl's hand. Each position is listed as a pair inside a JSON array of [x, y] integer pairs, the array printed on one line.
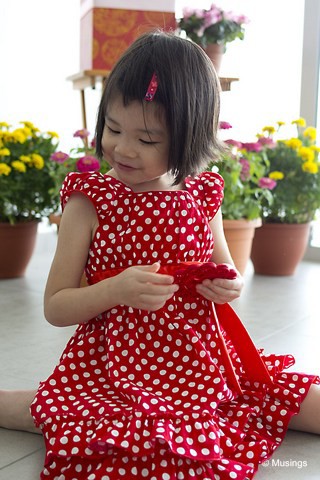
[[142, 287], [221, 290]]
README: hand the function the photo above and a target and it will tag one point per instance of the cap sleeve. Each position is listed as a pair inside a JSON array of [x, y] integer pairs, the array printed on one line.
[[100, 189], [207, 189]]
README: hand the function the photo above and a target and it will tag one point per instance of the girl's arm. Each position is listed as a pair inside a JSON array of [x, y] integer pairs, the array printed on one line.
[[220, 290], [65, 303]]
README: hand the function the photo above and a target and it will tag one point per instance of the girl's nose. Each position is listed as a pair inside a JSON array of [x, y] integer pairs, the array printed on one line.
[[125, 148]]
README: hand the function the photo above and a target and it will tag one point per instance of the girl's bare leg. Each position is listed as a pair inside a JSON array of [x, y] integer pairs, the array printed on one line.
[[308, 419], [14, 410]]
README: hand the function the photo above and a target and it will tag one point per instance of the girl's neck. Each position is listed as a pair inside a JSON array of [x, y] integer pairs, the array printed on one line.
[[163, 183]]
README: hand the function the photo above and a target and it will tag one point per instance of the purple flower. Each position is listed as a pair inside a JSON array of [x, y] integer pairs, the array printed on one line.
[[59, 157], [268, 183], [88, 164], [83, 133]]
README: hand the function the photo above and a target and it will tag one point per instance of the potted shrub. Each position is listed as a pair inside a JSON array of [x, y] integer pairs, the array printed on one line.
[[212, 29], [26, 192], [243, 167], [294, 166]]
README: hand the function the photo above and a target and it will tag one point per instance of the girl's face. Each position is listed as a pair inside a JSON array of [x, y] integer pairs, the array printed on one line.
[[135, 143]]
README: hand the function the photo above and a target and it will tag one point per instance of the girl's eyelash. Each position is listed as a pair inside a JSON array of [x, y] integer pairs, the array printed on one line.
[[112, 130], [144, 142]]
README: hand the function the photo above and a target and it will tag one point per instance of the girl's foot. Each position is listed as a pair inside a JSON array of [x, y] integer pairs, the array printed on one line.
[[15, 410]]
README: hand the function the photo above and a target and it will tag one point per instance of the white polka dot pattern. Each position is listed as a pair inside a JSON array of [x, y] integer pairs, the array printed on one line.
[[145, 395]]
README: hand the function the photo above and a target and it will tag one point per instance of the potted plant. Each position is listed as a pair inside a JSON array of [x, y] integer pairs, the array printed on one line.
[[212, 29], [26, 185], [294, 166], [243, 167], [80, 159]]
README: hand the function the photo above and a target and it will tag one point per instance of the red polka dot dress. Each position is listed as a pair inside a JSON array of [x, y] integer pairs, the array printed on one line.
[[169, 394]]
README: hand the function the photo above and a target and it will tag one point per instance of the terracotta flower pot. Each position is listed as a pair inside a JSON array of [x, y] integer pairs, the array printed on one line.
[[239, 235], [278, 248], [17, 244], [215, 53]]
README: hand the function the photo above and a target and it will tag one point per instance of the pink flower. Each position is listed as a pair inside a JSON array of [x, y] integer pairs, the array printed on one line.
[[267, 142], [88, 164], [245, 170], [212, 16], [83, 133], [252, 146], [268, 183], [224, 125], [240, 19], [233, 143], [59, 157], [188, 12]]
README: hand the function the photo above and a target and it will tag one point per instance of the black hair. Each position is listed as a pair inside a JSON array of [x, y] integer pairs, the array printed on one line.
[[188, 90]]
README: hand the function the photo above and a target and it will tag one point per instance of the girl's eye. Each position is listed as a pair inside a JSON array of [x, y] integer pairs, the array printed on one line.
[[147, 142], [111, 130]]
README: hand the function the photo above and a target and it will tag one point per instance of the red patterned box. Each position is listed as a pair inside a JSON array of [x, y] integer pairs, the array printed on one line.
[[107, 32]]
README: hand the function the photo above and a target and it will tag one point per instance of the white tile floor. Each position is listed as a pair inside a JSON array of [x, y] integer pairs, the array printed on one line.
[[282, 315]]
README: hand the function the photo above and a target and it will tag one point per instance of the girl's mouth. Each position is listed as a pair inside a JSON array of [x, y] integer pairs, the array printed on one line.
[[124, 167]]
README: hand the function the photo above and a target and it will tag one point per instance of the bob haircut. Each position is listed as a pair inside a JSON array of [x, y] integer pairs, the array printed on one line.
[[188, 90]]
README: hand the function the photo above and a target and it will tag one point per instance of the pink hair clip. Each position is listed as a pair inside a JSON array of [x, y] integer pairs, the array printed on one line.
[[152, 88]]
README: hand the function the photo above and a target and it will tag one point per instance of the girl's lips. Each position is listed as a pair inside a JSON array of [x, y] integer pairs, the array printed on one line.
[[122, 166]]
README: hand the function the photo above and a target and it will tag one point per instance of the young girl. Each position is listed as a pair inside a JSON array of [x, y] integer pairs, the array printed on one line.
[[157, 382]]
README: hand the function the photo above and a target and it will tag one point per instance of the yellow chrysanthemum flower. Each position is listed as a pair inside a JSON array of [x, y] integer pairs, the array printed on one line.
[[4, 125], [37, 161], [300, 122], [4, 152], [19, 136], [293, 143], [53, 134], [306, 153], [276, 175], [28, 124], [269, 129], [315, 148], [27, 131], [311, 133], [25, 159], [310, 167], [4, 169], [19, 166], [280, 123]]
